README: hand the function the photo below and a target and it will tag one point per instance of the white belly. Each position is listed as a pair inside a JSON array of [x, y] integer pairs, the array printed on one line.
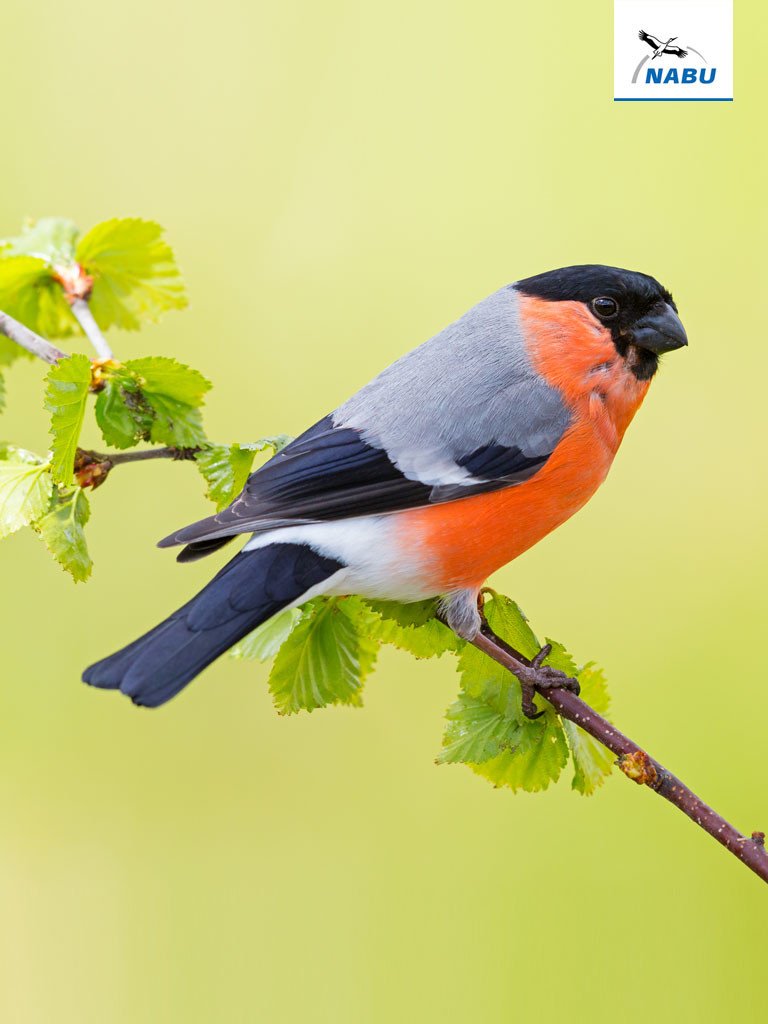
[[368, 547]]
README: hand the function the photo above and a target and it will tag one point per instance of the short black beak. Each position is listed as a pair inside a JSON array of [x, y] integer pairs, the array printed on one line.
[[660, 331]]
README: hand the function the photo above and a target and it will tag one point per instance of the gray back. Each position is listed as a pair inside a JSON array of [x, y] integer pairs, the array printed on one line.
[[469, 386]]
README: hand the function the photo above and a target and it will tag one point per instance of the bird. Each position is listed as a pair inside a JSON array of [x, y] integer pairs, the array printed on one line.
[[450, 463], [660, 48]]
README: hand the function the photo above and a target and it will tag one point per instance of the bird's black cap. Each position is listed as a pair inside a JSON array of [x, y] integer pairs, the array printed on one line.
[[585, 283]]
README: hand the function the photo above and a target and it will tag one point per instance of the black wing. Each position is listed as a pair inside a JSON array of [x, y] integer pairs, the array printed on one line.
[[332, 473], [652, 41]]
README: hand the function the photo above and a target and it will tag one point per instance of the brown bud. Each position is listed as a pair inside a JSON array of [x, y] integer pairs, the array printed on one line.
[[90, 471], [100, 370], [77, 284], [638, 767]]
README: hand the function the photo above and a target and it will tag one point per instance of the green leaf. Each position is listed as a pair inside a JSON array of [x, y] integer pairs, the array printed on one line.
[[154, 399], [431, 640], [12, 453], [50, 238], [25, 488], [123, 416], [267, 639], [413, 628], [136, 278], [560, 658], [477, 731], [2, 392], [122, 425], [275, 441], [66, 394], [225, 468], [539, 750], [406, 615], [594, 690], [29, 293], [62, 531], [163, 376], [173, 394], [591, 760], [507, 620], [174, 423], [134, 271], [487, 719], [490, 703], [326, 657], [484, 678], [535, 763], [358, 612]]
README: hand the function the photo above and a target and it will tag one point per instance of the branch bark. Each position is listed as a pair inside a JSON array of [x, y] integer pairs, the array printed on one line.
[[30, 341], [82, 313], [117, 458], [635, 762], [92, 468]]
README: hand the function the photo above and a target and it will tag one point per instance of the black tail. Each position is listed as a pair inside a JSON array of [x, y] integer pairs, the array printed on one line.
[[248, 590]]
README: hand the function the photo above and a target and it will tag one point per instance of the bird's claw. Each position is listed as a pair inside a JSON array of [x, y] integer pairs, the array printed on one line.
[[545, 652], [529, 707], [542, 677]]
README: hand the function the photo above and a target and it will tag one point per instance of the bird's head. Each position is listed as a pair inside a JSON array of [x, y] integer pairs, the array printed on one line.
[[635, 309]]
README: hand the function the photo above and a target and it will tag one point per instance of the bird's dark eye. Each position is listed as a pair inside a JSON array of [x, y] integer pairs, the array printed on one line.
[[605, 307]]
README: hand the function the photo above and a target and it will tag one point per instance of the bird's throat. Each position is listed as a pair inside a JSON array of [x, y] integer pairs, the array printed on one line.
[[641, 362]]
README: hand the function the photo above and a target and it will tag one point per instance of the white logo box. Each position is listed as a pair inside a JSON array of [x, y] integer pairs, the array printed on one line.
[[687, 52]]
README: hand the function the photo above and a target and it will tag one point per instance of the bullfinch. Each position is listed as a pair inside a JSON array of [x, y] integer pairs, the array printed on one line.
[[447, 465]]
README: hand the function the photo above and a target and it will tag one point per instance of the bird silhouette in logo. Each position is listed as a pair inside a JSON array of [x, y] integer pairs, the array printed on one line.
[[660, 48]]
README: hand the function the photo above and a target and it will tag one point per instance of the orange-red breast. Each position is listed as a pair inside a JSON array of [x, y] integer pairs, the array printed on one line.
[[450, 463]]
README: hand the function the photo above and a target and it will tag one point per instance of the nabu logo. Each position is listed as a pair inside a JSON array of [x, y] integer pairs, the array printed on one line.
[[665, 74], [689, 59]]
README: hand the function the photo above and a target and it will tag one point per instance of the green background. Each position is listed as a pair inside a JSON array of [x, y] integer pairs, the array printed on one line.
[[340, 181]]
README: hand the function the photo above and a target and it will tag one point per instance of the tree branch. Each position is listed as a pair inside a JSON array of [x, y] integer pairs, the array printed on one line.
[[634, 762], [77, 285], [92, 468], [29, 340], [82, 313], [117, 458]]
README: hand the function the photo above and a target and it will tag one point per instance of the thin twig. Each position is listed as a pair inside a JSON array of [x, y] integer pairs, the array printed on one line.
[[82, 313], [29, 340], [638, 765], [93, 468], [116, 458]]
